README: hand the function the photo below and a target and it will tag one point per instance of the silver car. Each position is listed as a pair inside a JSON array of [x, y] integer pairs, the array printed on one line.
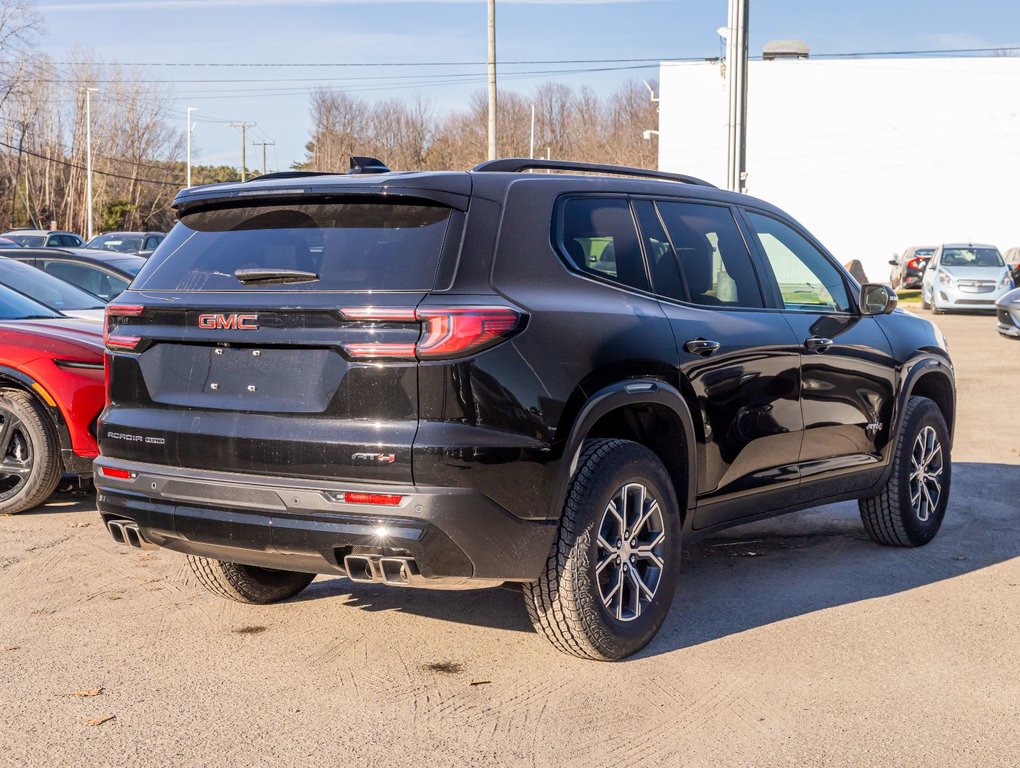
[[1007, 310], [964, 276]]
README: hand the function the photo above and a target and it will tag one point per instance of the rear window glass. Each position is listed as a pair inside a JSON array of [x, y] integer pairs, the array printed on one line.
[[348, 246]]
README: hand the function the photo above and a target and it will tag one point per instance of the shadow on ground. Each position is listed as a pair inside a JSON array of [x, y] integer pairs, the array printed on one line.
[[765, 572]]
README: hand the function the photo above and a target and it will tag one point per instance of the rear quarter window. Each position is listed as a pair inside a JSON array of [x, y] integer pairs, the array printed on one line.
[[349, 246]]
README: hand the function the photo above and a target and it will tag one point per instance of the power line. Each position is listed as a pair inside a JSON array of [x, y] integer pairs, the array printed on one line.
[[522, 62], [69, 164]]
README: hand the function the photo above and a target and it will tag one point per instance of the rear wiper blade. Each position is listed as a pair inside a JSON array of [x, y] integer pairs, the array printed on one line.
[[274, 276]]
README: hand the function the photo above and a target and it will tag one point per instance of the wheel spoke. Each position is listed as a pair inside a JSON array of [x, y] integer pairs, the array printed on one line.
[[936, 451], [619, 593], [640, 584], [621, 522], [646, 549], [602, 565], [640, 524], [7, 432], [11, 467], [605, 544]]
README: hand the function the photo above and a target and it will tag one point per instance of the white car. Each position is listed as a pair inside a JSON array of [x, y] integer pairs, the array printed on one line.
[[966, 277]]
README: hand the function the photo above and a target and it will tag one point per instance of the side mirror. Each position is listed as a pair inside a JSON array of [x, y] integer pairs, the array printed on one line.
[[894, 262], [877, 299]]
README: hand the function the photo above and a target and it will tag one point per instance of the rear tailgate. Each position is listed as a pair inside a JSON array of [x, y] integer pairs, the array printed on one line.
[[271, 376]]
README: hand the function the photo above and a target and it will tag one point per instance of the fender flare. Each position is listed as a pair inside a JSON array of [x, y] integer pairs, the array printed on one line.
[[624, 393], [919, 367]]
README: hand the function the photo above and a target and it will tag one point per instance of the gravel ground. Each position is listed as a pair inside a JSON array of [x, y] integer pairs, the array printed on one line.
[[791, 642]]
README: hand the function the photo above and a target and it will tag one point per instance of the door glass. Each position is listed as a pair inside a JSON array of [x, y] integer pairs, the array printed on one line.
[[662, 262], [599, 237], [713, 258], [807, 279]]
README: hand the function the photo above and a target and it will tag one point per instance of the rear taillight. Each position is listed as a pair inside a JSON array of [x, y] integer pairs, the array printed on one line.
[[915, 263], [119, 342], [447, 332]]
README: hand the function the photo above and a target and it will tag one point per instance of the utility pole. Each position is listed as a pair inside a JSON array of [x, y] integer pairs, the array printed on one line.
[[263, 144], [532, 155], [492, 79], [244, 146], [88, 161], [191, 127], [736, 80]]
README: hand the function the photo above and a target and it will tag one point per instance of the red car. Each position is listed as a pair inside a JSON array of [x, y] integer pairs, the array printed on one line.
[[51, 393]]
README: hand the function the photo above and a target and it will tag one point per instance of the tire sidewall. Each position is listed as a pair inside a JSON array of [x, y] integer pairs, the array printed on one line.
[[39, 432], [629, 463], [925, 414]]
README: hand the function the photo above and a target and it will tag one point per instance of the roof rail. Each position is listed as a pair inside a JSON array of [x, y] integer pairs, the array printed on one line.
[[291, 175], [518, 164]]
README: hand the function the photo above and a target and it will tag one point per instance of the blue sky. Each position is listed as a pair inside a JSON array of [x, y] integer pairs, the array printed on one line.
[[305, 32]]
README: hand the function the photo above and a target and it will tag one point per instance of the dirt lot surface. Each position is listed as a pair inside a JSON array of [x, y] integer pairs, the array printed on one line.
[[791, 642]]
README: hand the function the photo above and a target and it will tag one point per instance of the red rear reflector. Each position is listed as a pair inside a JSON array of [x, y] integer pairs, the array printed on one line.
[[384, 499], [914, 263], [119, 474], [448, 331]]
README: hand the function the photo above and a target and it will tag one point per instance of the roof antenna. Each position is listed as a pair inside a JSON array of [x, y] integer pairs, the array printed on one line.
[[361, 165]]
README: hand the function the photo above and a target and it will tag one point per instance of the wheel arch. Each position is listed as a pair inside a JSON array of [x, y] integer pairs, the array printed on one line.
[[647, 411], [11, 378], [932, 378]]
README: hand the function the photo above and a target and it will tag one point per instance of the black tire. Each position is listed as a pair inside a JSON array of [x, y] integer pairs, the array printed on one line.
[[566, 604], [924, 301], [247, 583], [30, 463], [891, 517]]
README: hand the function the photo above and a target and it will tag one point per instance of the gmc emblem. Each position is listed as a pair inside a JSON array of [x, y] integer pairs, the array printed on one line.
[[228, 322]]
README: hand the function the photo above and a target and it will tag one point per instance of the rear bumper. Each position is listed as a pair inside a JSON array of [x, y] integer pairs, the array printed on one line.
[[296, 525]]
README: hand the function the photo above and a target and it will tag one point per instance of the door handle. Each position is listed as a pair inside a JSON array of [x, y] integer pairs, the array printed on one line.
[[702, 347], [817, 344]]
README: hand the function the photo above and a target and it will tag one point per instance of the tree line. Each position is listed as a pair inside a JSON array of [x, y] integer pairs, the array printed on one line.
[[138, 141], [569, 124]]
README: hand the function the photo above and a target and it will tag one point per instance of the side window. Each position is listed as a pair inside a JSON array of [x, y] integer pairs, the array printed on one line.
[[151, 242], [598, 237], [807, 279], [713, 257], [666, 280], [96, 281]]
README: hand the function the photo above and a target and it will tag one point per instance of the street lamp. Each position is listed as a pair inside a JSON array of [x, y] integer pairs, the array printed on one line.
[[190, 129], [88, 158]]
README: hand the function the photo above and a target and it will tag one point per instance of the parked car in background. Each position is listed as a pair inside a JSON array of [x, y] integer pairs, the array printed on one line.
[[964, 276], [396, 378], [908, 267], [1012, 259], [51, 393], [1007, 311], [50, 291], [127, 242], [6, 242], [100, 273], [44, 238]]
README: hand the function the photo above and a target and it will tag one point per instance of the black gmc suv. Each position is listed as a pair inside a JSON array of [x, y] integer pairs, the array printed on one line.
[[463, 379]]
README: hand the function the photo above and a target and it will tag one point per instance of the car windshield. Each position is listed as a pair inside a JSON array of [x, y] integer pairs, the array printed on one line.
[[44, 288], [116, 243], [15, 306], [971, 257], [29, 241], [925, 252]]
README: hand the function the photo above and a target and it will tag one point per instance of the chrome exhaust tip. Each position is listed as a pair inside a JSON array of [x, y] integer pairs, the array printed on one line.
[[360, 569], [126, 532], [398, 571], [116, 529]]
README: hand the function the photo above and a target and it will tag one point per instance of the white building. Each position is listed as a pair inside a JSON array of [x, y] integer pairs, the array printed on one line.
[[871, 155]]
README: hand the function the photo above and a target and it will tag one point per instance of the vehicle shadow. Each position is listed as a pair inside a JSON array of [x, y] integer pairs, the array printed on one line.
[[770, 571]]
